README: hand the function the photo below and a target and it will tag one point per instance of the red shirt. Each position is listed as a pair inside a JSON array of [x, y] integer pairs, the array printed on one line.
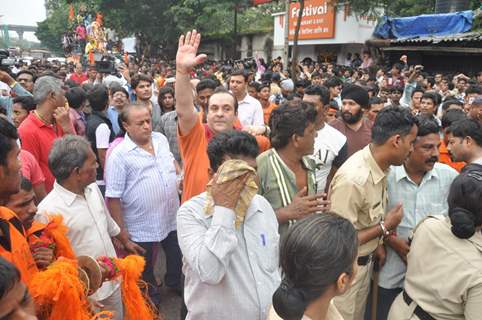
[[37, 138], [79, 79], [30, 168]]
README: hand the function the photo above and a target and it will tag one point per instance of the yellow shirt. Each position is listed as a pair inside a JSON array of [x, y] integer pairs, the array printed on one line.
[[359, 194]]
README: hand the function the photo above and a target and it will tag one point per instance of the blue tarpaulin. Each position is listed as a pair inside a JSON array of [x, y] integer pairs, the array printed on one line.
[[424, 25]]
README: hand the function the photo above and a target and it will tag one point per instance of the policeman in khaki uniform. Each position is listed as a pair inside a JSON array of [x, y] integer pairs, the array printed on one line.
[[358, 193], [444, 269]]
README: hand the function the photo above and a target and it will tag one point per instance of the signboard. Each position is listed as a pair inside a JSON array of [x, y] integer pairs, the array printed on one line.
[[317, 20]]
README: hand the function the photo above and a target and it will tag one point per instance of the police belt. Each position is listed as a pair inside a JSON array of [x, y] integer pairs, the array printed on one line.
[[364, 260], [419, 312]]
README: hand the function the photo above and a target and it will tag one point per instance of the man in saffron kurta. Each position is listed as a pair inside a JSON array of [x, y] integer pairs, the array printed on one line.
[[13, 245]]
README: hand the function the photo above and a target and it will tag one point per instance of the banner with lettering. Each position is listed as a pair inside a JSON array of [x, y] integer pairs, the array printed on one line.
[[317, 21]]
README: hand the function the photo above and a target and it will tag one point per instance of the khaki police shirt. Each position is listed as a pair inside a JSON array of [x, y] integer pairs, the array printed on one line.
[[444, 273], [359, 194]]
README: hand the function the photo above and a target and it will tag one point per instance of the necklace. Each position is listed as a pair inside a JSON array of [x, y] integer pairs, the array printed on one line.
[[42, 118]]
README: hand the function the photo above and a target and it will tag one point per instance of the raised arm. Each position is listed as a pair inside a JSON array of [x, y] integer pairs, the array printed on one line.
[[186, 60]]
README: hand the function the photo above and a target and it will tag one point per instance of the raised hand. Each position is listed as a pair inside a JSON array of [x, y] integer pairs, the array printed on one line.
[[186, 57]]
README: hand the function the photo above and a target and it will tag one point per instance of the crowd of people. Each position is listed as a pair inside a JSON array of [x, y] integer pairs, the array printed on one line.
[[339, 192]]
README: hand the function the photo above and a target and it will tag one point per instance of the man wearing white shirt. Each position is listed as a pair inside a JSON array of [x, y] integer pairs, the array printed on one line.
[[77, 198], [250, 111], [331, 148], [231, 270], [142, 194]]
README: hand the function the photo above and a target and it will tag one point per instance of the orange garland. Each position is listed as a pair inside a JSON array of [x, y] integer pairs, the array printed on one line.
[[58, 232], [130, 269], [59, 291]]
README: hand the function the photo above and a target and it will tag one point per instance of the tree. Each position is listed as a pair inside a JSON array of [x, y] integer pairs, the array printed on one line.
[[50, 31], [158, 23], [294, 62]]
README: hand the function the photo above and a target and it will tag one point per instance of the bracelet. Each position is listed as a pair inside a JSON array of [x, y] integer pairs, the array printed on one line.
[[13, 84], [385, 231]]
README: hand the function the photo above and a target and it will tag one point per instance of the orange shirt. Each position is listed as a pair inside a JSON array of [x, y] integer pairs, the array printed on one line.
[[445, 158], [193, 148], [17, 251], [55, 232], [267, 112]]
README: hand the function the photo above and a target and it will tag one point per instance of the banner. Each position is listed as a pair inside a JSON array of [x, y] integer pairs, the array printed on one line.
[[317, 20], [256, 2]]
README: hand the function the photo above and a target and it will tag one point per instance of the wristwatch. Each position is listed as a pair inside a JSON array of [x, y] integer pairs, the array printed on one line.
[[385, 231]]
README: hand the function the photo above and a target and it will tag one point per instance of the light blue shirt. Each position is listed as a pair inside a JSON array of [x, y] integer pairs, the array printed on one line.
[[113, 115], [7, 102], [419, 201], [146, 186]]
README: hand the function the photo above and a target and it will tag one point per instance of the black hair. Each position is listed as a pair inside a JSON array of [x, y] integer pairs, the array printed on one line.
[[449, 102], [117, 88], [289, 119], [473, 89], [431, 81], [417, 89], [467, 128], [27, 102], [30, 73], [206, 84], [8, 137], [162, 92], [320, 91], [76, 97], [263, 85], [452, 116], [255, 85], [427, 125], [315, 74], [26, 184], [431, 96], [302, 83], [233, 143], [314, 253], [224, 91], [9, 277], [374, 100], [465, 207], [398, 66], [138, 78], [122, 130], [391, 121], [333, 82], [98, 97], [240, 72]]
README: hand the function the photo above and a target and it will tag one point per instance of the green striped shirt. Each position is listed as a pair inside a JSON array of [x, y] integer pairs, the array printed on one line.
[[278, 182]]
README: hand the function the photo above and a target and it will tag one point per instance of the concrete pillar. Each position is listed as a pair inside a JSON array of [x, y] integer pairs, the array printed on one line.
[[20, 34]]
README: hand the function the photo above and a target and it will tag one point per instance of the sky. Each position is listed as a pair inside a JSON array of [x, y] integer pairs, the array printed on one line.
[[23, 12]]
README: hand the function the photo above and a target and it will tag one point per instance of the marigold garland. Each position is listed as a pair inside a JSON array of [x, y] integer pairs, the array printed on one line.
[[58, 290]]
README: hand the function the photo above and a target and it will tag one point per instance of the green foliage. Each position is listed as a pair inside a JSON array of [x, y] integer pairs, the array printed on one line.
[[158, 23], [50, 31]]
